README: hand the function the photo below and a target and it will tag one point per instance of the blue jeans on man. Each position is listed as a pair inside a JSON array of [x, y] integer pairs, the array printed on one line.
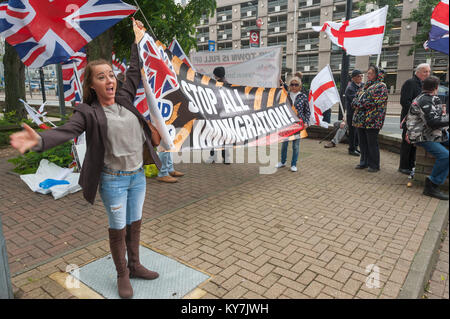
[[440, 153], [167, 164]]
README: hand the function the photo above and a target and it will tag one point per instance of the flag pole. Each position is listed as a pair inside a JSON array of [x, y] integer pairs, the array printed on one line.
[[145, 18], [340, 102], [378, 60]]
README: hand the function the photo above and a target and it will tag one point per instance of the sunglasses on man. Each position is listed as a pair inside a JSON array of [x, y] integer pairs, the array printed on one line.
[[295, 84]]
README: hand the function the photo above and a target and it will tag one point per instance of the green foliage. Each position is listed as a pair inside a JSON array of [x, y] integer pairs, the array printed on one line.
[[167, 21], [29, 162], [422, 15], [4, 138], [393, 12], [11, 118]]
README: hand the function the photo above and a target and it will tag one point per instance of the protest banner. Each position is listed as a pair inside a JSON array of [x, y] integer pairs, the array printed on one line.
[[255, 66], [200, 113]]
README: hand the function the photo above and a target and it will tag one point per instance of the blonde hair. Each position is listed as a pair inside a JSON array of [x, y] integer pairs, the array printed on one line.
[[89, 95], [295, 78]]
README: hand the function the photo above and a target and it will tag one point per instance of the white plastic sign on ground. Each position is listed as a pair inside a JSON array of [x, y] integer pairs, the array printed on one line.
[[48, 170]]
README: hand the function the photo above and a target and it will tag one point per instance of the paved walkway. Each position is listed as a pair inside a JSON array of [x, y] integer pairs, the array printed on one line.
[[438, 284], [310, 234]]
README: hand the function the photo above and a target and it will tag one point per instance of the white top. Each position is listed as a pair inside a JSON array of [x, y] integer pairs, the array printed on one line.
[[293, 96], [125, 139]]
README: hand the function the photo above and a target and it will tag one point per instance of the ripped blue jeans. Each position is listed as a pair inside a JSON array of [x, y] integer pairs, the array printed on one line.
[[123, 194]]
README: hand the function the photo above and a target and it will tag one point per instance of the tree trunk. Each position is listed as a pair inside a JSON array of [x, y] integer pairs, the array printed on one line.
[[14, 81], [101, 46]]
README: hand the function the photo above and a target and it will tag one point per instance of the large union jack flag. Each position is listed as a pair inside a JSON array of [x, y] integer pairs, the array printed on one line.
[[51, 31], [177, 50], [4, 24], [73, 76], [118, 67], [140, 102], [161, 75], [439, 28]]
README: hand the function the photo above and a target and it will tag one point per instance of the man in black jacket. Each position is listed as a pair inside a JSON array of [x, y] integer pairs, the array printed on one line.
[[410, 90], [350, 93]]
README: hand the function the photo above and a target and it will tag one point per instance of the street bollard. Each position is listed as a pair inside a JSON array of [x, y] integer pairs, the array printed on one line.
[[5, 277]]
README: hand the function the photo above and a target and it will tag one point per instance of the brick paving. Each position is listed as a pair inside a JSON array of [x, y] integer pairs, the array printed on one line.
[[438, 284], [310, 234]]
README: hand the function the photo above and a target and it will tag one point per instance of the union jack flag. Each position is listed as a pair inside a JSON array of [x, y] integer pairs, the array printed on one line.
[[161, 75], [177, 50], [51, 31], [439, 28], [118, 67], [4, 24], [73, 75], [140, 102]]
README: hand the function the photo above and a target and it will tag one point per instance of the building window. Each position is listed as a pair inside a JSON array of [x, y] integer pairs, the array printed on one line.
[[247, 26], [388, 59], [307, 42], [336, 61], [339, 13], [224, 32], [307, 63], [278, 40], [393, 37], [435, 59], [276, 24], [224, 14], [275, 6], [225, 45], [249, 9], [309, 19], [245, 44], [308, 3], [204, 20], [202, 47], [202, 35]]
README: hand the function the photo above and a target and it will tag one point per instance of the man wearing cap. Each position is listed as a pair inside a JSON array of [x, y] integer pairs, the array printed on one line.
[[350, 93], [219, 76]]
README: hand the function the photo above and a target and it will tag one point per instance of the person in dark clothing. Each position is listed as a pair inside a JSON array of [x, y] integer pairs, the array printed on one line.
[[427, 124], [370, 105], [350, 93], [410, 90], [219, 75]]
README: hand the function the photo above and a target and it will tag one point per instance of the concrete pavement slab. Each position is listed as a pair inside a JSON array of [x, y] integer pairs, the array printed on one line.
[[327, 231]]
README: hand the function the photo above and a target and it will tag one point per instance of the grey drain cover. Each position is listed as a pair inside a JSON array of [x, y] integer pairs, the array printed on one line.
[[175, 279]]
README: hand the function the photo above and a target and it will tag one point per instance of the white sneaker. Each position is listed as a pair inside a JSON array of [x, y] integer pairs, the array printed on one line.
[[280, 165], [294, 168]]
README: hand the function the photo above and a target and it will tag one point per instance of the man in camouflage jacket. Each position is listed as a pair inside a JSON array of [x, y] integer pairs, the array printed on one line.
[[427, 124]]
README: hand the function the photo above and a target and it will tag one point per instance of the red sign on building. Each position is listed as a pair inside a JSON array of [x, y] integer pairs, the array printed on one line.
[[254, 39]]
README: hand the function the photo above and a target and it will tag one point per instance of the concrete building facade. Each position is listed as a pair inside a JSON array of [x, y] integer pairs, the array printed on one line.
[[288, 23]]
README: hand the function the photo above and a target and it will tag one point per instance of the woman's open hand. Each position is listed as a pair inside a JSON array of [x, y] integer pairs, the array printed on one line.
[[24, 140]]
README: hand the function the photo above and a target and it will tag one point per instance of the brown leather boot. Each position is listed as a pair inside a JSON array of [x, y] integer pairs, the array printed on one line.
[[118, 247], [176, 174], [167, 179], [132, 241]]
